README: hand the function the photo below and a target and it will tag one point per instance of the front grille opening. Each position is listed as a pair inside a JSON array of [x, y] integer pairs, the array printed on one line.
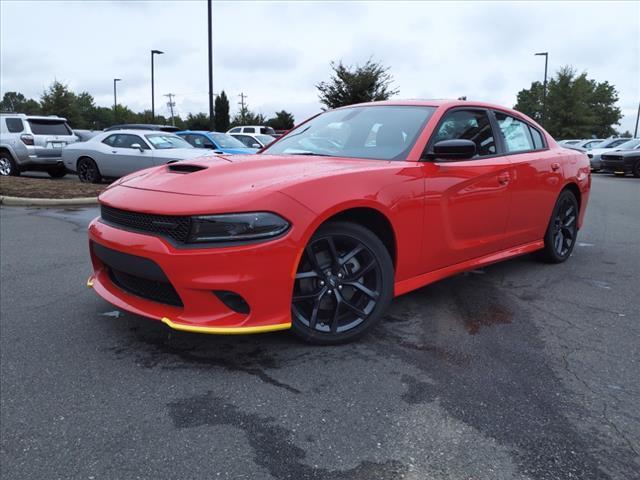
[[172, 226], [233, 301], [161, 292], [185, 168]]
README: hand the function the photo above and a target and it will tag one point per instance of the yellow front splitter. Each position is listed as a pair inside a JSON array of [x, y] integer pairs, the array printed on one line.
[[226, 330]]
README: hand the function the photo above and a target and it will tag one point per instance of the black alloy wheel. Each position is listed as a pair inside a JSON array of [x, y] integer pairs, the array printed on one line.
[[88, 171], [58, 172], [343, 285], [636, 169], [562, 232]]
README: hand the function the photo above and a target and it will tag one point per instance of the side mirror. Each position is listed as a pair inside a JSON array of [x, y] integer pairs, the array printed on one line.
[[457, 149], [256, 145], [138, 146]]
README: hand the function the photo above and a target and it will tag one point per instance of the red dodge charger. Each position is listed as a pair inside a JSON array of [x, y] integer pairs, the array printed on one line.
[[325, 226]]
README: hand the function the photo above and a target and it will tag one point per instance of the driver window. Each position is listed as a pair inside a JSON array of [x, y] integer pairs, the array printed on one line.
[[471, 125]]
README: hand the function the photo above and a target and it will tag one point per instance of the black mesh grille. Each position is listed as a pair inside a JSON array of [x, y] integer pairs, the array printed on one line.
[[161, 292], [175, 227], [616, 158]]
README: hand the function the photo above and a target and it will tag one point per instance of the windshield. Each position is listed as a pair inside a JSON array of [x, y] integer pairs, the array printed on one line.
[[629, 145], [163, 141], [226, 141], [378, 132], [265, 139], [613, 142]]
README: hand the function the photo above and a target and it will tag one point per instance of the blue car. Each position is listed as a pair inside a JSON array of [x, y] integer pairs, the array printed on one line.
[[220, 142]]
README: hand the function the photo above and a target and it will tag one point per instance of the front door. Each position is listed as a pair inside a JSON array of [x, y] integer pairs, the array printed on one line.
[[467, 201]]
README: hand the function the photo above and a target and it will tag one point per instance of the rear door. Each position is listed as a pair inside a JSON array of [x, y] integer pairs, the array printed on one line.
[[467, 201], [50, 136], [536, 182]]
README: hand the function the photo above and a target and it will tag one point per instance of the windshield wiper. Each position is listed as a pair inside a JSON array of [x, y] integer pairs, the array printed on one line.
[[312, 153]]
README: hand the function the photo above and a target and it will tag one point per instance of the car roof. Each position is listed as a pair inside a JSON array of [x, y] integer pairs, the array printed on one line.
[[137, 131], [33, 117]]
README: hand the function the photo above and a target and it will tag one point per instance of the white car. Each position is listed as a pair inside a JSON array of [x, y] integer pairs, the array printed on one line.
[[595, 154], [259, 129], [117, 153], [252, 140]]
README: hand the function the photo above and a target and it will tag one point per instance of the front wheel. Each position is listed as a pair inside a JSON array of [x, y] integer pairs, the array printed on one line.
[[562, 231], [343, 284], [636, 169], [88, 171], [57, 172]]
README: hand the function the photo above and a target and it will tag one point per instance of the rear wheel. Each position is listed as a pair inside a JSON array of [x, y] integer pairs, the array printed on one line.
[[8, 166], [57, 172], [88, 171], [562, 231], [343, 285]]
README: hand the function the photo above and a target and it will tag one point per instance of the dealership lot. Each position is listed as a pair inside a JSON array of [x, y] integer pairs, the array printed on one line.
[[520, 370]]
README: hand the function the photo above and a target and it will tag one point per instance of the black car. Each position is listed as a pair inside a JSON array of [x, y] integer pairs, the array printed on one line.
[[143, 126], [623, 161]]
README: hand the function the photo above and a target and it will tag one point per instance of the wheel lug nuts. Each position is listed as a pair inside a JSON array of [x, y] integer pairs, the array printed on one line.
[[339, 287], [322, 283], [339, 275], [329, 292]]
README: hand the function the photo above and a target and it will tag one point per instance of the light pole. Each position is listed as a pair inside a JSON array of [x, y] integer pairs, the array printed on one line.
[[153, 105], [211, 125], [635, 132], [115, 97], [544, 88]]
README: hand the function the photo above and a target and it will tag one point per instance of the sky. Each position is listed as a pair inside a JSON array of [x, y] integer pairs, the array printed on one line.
[[276, 52]]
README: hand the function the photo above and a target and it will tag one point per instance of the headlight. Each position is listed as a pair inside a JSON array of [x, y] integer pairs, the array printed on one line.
[[236, 227]]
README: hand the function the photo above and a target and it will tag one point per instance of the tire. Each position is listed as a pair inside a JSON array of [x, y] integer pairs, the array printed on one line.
[[343, 285], [636, 169], [562, 231], [88, 171], [8, 166], [58, 172]]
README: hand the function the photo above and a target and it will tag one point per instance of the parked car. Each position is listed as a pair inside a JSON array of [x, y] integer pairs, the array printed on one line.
[[84, 135], [568, 142], [116, 153], [322, 229], [584, 145], [33, 143], [624, 159], [259, 129], [605, 146], [254, 140], [142, 126], [216, 141]]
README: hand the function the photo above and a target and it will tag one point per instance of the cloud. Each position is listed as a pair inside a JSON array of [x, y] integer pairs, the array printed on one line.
[[276, 52]]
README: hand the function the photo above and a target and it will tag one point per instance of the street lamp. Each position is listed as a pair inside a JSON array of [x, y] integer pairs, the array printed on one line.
[[153, 106], [544, 88], [115, 97]]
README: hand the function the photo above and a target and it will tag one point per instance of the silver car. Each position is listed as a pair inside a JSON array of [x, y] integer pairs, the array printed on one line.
[[33, 142], [608, 145], [117, 153]]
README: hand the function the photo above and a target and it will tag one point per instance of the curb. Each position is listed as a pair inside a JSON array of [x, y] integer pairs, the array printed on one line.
[[47, 202]]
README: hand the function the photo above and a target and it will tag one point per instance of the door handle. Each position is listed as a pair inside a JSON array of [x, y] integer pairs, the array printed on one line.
[[114, 151], [555, 166], [504, 178]]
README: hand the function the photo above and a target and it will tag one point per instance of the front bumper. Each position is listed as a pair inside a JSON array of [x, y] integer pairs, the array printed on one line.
[[262, 274], [617, 166]]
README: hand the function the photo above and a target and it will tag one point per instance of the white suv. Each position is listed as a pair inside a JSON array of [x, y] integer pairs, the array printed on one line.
[[253, 129], [33, 142]]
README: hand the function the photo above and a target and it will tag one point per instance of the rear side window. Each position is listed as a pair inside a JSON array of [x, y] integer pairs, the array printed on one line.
[[471, 125], [48, 127], [538, 142], [516, 134], [14, 125], [267, 130], [248, 130]]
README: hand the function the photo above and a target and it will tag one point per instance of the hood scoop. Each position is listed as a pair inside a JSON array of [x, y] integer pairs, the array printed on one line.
[[185, 168]]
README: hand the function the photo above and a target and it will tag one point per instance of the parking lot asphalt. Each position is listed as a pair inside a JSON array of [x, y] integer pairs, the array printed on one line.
[[521, 370]]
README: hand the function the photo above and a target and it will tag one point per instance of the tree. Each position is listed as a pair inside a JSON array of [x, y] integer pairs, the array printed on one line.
[[59, 100], [349, 85], [199, 121], [17, 103], [221, 112], [282, 121], [576, 106]]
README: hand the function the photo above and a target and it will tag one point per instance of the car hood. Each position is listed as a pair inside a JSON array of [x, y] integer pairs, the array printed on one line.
[[181, 153], [239, 151], [242, 174]]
